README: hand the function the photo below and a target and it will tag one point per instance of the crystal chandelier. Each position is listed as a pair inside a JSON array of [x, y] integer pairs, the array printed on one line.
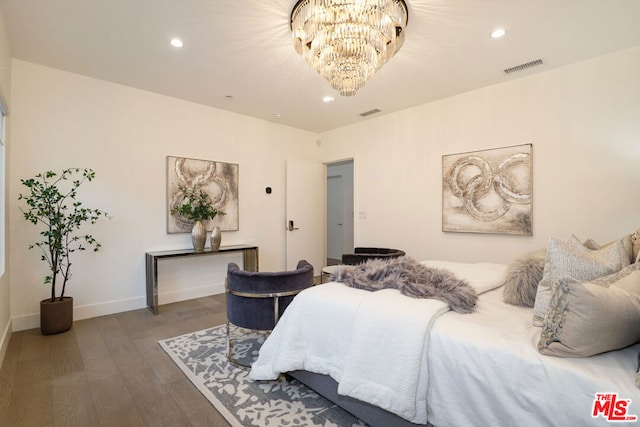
[[347, 41]]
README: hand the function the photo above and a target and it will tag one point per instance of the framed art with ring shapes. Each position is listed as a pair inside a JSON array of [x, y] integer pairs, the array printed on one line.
[[488, 191]]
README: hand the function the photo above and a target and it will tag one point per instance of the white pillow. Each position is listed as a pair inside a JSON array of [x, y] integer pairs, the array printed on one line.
[[588, 318], [573, 259], [635, 239]]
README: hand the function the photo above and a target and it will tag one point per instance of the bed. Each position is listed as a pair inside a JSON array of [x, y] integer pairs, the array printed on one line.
[[439, 367]]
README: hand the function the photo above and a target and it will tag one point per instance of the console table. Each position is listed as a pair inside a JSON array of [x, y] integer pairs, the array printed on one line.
[[250, 259]]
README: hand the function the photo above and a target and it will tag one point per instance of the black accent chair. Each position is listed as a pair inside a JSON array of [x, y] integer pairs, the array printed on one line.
[[256, 300], [362, 254]]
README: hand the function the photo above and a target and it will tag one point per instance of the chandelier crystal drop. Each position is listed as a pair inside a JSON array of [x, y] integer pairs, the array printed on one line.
[[347, 41]]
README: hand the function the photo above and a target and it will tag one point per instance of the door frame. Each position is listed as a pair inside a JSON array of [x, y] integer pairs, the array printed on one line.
[[356, 214]]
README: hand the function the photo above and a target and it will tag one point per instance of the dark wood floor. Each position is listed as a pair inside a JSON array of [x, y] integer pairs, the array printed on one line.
[[108, 371]]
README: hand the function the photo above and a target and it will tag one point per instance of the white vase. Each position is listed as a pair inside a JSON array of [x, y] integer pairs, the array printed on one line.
[[216, 238], [198, 236]]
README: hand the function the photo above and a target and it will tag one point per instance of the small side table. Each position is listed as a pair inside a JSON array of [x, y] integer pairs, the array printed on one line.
[[327, 272]]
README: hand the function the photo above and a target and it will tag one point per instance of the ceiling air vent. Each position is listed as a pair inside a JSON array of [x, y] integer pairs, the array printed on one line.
[[523, 67], [370, 112]]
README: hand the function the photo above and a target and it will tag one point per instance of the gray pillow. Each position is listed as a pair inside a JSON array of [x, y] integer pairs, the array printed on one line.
[[522, 278], [586, 318], [573, 259]]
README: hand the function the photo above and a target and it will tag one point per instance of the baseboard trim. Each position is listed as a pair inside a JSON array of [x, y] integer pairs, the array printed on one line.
[[4, 343], [168, 297], [102, 309], [30, 321]]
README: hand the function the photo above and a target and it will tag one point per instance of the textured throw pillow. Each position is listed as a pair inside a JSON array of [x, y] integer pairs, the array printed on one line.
[[589, 243], [522, 278], [628, 246], [635, 239], [627, 242], [586, 318], [573, 259], [611, 279]]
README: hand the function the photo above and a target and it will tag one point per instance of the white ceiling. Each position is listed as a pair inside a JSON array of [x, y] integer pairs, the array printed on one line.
[[243, 49]]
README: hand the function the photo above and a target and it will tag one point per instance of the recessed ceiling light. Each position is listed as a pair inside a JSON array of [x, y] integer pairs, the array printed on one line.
[[498, 32], [176, 42], [277, 115], [328, 98]]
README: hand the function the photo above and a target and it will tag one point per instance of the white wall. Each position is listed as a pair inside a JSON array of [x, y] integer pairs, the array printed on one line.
[[65, 120], [583, 121], [5, 95]]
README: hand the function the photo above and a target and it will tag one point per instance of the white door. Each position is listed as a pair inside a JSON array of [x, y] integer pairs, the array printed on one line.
[[305, 214]]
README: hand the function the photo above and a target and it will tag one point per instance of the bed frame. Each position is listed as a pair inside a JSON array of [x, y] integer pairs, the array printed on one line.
[[325, 386]]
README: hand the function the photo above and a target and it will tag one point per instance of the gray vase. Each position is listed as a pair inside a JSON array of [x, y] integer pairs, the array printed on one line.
[[216, 238], [198, 236]]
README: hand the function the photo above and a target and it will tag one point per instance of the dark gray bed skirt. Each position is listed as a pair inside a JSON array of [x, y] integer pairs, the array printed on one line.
[[372, 415]]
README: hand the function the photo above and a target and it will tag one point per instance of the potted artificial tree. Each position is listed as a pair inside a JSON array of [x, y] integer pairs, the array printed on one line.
[[52, 204], [196, 206]]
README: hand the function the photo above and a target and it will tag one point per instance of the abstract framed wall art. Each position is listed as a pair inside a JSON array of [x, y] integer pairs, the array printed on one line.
[[219, 180], [488, 191]]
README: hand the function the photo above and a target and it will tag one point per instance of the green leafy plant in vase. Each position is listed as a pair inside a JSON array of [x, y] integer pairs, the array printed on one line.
[[52, 204], [197, 206]]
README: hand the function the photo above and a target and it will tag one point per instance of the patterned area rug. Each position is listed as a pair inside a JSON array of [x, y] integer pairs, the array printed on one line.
[[202, 357]]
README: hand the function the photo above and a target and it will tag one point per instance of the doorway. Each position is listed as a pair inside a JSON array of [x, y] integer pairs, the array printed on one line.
[[340, 214]]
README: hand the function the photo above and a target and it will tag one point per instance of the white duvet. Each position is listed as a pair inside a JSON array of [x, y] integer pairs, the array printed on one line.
[[366, 341], [486, 371], [482, 368]]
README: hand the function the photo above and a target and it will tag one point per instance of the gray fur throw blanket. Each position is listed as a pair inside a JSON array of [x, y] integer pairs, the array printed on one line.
[[412, 279]]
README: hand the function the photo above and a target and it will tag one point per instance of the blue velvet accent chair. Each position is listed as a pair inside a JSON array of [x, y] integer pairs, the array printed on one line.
[[256, 300], [362, 254]]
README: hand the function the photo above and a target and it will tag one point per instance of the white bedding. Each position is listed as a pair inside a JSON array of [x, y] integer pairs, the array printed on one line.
[[332, 329], [499, 377], [482, 368], [384, 347]]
